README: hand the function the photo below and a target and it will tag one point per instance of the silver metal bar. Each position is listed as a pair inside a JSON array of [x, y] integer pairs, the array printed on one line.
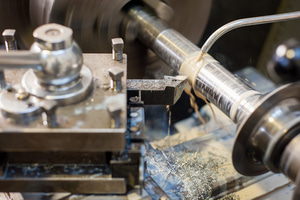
[[246, 22], [213, 81], [290, 163], [165, 91], [10, 44], [167, 43], [9, 39], [226, 91], [20, 59]]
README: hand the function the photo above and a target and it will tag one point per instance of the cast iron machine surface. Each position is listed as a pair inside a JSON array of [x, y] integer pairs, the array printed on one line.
[[62, 120]]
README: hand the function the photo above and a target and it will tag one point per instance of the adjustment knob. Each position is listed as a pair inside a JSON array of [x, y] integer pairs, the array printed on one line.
[[285, 64], [61, 55], [53, 36]]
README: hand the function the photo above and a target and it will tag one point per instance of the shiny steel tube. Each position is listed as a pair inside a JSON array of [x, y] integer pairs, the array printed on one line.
[[246, 22], [290, 164], [236, 99], [20, 59], [213, 81], [168, 44]]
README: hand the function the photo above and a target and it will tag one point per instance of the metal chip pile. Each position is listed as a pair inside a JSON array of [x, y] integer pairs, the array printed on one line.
[[184, 174]]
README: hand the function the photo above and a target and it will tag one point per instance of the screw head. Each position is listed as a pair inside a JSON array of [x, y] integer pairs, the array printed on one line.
[[116, 73], [117, 49], [49, 105], [117, 44], [114, 108], [9, 34], [53, 36]]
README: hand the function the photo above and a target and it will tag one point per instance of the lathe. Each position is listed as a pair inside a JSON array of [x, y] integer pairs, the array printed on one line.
[[78, 77]]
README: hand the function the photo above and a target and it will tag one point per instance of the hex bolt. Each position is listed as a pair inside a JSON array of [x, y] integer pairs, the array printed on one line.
[[49, 107], [115, 108], [116, 74], [10, 44], [117, 48], [9, 39]]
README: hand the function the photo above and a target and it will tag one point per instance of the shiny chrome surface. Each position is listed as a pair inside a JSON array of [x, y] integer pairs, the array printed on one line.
[[290, 164], [263, 135], [94, 134], [60, 55], [226, 91], [20, 60], [116, 75], [53, 36], [9, 39], [168, 44], [267, 125], [81, 148], [67, 94], [58, 67], [217, 84], [117, 48], [56, 59], [165, 91], [19, 110]]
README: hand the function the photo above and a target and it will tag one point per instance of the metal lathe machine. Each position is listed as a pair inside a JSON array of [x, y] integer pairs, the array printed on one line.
[[95, 99]]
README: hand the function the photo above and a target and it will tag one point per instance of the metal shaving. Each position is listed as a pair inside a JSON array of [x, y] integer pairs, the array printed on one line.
[[232, 196], [185, 175]]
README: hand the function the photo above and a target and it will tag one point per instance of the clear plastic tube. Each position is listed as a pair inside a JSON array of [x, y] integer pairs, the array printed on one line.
[[245, 22]]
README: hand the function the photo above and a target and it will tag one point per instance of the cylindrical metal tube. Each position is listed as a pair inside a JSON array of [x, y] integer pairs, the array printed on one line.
[[168, 44], [290, 163], [213, 81], [20, 59], [226, 91]]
